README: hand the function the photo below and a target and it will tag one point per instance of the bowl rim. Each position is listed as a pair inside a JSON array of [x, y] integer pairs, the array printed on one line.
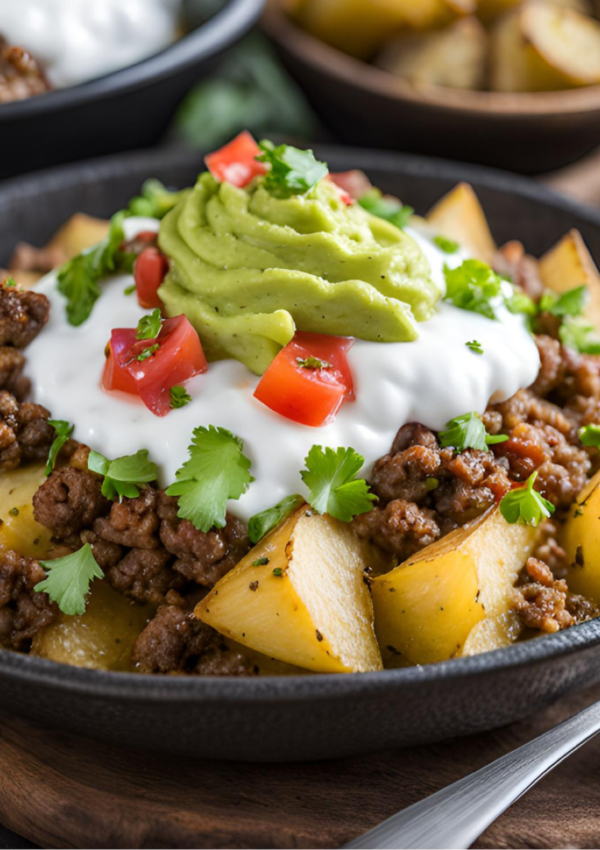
[[208, 39], [33, 670], [328, 60]]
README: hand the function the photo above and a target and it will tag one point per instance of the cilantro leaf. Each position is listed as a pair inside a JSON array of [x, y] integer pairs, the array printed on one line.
[[312, 363], [123, 475], [260, 524], [78, 279], [330, 476], [148, 352], [386, 207], [448, 246], [590, 435], [179, 397], [68, 580], [63, 434], [149, 326], [217, 470], [293, 171], [526, 505], [9, 283], [468, 432], [155, 200], [520, 303], [579, 335], [475, 346], [570, 303], [473, 286]]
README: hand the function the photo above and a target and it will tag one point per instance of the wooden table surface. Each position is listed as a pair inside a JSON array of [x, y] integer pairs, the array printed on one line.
[[60, 791]]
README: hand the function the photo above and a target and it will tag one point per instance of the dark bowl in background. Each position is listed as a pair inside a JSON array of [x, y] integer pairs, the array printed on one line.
[[130, 108], [298, 717], [363, 105]]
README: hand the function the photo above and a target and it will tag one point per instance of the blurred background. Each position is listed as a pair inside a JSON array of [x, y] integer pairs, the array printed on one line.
[[508, 83]]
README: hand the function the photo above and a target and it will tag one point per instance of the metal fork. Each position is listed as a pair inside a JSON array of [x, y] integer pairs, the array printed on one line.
[[455, 817]]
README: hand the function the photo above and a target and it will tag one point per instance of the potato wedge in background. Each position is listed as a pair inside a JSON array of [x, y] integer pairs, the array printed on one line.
[[307, 605], [100, 639], [569, 264], [544, 47], [454, 57], [18, 529], [427, 608], [581, 541], [459, 216], [489, 10]]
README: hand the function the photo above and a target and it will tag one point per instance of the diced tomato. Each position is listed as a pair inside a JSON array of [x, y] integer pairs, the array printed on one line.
[[149, 272], [343, 195], [311, 396], [236, 163], [179, 357], [355, 183]]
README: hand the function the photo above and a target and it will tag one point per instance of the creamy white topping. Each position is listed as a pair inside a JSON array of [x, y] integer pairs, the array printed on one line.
[[78, 40], [430, 381]]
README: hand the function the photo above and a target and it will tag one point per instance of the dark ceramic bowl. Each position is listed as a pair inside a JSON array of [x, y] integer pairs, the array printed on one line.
[[363, 105], [127, 109], [299, 717]]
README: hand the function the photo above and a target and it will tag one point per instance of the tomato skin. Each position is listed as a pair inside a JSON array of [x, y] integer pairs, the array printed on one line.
[[236, 162], [149, 272], [178, 358], [354, 183], [308, 396]]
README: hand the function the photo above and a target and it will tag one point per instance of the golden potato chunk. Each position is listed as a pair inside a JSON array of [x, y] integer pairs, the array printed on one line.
[[569, 264], [18, 529], [460, 216], [581, 541], [299, 596], [426, 608]]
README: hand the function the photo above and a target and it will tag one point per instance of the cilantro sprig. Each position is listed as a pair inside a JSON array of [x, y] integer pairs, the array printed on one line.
[[448, 246], [146, 353], [63, 431], [526, 505], [260, 524], [570, 303], [149, 326], [179, 397], [124, 476], [68, 580], [155, 200], [579, 335], [589, 435], [293, 171], [475, 346], [386, 207], [217, 470], [468, 432], [473, 286], [330, 476]]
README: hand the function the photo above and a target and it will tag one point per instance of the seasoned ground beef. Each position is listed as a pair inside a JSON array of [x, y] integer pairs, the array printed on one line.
[[545, 604], [133, 522], [69, 501], [176, 642], [22, 611], [12, 380], [23, 314], [25, 433], [20, 75], [146, 575]]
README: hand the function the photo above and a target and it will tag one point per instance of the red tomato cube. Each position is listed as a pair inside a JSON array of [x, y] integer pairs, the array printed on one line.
[[236, 163]]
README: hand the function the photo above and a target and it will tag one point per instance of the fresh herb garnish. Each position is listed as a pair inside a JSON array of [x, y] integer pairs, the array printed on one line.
[[78, 279], [526, 505], [123, 476], [293, 171], [312, 363], [63, 432], [386, 207], [330, 476], [148, 352], [68, 580], [149, 326], [129, 290], [579, 335], [520, 303], [448, 246], [217, 470], [475, 346], [9, 283], [179, 397], [260, 562], [468, 432], [570, 303], [263, 522], [155, 200], [590, 435], [473, 286], [278, 572]]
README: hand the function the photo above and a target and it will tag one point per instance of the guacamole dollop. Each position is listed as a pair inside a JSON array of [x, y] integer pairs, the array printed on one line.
[[249, 269]]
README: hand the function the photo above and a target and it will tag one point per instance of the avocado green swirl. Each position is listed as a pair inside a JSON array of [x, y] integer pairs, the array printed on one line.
[[248, 270]]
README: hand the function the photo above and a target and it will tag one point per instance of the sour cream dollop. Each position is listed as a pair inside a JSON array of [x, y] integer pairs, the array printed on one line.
[[430, 380], [79, 40]]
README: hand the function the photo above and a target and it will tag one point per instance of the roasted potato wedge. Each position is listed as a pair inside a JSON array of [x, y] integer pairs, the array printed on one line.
[[427, 608], [454, 57], [80, 232], [569, 264], [459, 216], [491, 10], [545, 47], [581, 541], [18, 529], [308, 605], [102, 638]]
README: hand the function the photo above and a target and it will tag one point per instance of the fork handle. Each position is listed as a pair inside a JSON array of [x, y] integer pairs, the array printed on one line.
[[457, 815]]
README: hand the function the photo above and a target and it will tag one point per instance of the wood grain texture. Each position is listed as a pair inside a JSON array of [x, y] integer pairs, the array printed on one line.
[[61, 791]]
